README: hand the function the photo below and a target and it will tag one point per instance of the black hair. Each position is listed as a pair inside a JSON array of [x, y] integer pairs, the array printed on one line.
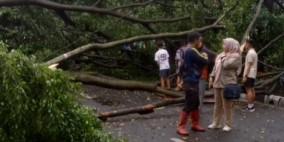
[[251, 42], [191, 37], [160, 44]]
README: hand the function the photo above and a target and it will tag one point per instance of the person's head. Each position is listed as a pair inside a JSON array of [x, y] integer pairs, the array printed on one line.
[[160, 44], [194, 39], [231, 45], [250, 43]]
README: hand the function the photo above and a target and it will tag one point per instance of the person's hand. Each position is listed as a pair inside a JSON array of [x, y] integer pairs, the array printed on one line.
[[210, 83], [204, 55], [244, 79]]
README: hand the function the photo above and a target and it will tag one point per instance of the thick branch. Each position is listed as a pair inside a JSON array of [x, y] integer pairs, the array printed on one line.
[[225, 14], [149, 108], [265, 64], [271, 80], [270, 43], [122, 84], [140, 109], [87, 47], [76, 8], [279, 4], [97, 2], [256, 15]]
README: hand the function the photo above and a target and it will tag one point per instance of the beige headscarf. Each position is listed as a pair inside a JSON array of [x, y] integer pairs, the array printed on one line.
[[234, 50]]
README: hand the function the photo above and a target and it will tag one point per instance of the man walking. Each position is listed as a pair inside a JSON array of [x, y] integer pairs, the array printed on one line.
[[194, 61], [250, 73]]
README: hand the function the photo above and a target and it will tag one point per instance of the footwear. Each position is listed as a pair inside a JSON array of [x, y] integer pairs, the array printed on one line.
[[246, 108], [181, 124], [195, 121], [252, 109], [214, 126], [227, 128], [178, 89]]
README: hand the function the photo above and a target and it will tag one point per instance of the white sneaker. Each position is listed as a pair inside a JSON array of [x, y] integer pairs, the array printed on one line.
[[214, 126], [227, 128]]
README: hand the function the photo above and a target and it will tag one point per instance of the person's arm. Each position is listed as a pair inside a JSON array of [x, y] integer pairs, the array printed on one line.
[[211, 77], [177, 58], [211, 54], [231, 62], [157, 59], [249, 62], [198, 57], [246, 72]]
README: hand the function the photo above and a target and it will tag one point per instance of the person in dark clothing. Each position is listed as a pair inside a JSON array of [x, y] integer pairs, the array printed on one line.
[[194, 61], [206, 69]]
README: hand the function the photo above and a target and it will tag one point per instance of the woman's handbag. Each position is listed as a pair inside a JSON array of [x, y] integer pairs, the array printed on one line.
[[232, 91]]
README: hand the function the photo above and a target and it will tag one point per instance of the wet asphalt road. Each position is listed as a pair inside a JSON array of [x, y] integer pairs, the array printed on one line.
[[266, 124]]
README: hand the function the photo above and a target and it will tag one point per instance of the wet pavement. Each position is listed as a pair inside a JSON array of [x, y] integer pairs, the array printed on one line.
[[266, 124]]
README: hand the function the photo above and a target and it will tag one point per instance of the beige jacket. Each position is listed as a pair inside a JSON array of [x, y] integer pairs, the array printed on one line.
[[231, 67]]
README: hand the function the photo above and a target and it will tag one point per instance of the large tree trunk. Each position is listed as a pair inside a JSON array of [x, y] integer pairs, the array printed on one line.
[[122, 84]]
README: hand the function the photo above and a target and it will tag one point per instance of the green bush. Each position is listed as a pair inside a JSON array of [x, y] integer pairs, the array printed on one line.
[[38, 104]]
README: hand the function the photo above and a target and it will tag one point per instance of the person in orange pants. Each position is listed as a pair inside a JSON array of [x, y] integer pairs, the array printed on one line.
[[194, 61]]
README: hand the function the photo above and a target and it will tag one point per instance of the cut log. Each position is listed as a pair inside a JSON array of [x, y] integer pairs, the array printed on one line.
[[141, 109], [149, 108]]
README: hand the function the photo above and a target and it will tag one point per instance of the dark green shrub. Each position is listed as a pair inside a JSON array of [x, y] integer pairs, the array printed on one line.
[[38, 104]]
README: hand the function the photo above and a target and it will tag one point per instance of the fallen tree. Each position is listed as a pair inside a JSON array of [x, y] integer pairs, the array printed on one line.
[[97, 79], [122, 84], [90, 46]]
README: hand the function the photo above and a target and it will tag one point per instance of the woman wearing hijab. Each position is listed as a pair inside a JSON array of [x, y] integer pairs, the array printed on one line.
[[227, 66]]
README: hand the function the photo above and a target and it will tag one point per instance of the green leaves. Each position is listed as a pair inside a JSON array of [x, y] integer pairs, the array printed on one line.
[[38, 104]]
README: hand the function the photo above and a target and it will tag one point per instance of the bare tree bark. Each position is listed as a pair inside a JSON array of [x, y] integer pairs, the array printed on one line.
[[87, 47], [256, 15]]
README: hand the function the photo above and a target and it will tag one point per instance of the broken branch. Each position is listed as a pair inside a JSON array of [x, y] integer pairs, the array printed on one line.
[[256, 15]]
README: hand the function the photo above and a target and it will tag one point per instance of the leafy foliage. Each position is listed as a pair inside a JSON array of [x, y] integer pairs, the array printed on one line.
[[37, 104]]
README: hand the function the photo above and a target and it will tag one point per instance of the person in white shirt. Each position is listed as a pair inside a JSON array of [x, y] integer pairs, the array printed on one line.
[[162, 59], [250, 72]]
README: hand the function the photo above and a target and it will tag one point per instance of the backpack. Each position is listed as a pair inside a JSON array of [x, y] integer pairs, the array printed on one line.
[[183, 67]]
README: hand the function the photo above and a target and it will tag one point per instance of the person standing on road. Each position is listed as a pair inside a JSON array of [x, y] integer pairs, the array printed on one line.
[[250, 73], [162, 59], [204, 74], [192, 67], [228, 65]]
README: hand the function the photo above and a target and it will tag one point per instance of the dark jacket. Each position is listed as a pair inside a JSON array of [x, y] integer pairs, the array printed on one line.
[[193, 62]]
